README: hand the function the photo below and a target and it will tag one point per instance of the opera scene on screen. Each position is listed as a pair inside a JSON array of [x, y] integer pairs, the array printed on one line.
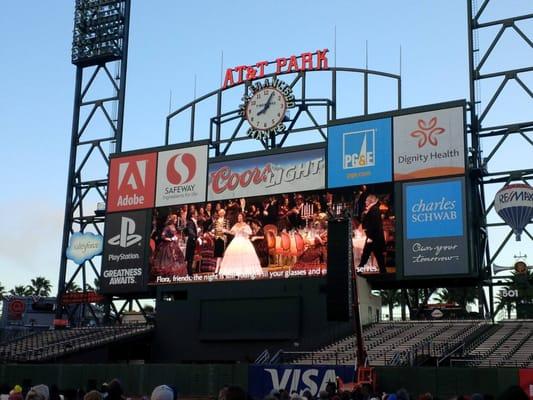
[[267, 237]]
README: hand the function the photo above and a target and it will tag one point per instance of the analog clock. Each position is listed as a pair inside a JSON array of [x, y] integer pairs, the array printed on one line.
[[265, 106], [266, 109]]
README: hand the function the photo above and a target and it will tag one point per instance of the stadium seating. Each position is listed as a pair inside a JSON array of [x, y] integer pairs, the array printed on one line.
[[398, 343], [49, 345]]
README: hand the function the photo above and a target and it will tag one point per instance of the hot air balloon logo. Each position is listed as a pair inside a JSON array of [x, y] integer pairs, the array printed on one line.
[[514, 203]]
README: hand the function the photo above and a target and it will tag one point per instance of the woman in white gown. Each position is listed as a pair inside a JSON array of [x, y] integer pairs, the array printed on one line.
[[240, 258]]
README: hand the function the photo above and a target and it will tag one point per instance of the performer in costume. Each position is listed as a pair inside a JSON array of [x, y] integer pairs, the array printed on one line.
[[169, 257], [219, 230], [192, 236], [240, 258], [375, 239]]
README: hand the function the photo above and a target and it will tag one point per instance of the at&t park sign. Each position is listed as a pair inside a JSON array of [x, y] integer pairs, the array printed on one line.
[[283, 65]]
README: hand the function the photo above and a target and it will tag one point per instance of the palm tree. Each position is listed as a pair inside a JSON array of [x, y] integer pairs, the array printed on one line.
[[72, 287], [40, 286], [460, 296], [522, 284], [390, 298], [20, 290], [506, 303]]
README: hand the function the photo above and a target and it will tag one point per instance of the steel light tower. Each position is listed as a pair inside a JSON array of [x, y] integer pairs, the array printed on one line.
[[99, 52], [493, 72]]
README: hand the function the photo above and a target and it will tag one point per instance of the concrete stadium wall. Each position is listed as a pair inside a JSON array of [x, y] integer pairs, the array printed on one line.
[[227, 321], [207, 379]]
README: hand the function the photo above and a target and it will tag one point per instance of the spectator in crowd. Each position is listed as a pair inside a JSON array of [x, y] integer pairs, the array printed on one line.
[[162, 392], [42, 392], [115, 390], [93, 395], [16, 393], [236, 393], [513, 393]]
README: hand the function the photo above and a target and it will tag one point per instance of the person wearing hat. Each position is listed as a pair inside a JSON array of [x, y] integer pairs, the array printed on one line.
[[41, 390], [162, 392]]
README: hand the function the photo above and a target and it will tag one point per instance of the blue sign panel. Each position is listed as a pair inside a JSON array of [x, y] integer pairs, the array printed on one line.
[[263, 379], [435, 240], [434, 209], [360, 153]]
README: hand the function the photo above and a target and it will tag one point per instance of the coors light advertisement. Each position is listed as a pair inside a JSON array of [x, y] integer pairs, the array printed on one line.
[[280, 173]]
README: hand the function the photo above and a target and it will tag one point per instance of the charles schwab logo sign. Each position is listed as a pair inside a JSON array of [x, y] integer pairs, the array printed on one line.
[[429, 144], [434, 228], [181, 176], [280, 173]]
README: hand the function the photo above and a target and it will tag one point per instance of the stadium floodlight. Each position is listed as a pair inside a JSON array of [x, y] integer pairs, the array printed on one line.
[[99, 30]]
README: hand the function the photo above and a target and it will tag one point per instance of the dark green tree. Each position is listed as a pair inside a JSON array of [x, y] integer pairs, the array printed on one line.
[[20, 290], [40, 286], [390, 298]]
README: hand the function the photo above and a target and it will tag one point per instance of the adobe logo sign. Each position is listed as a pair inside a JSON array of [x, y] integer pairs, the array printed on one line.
[[131, 182], [181, 176]]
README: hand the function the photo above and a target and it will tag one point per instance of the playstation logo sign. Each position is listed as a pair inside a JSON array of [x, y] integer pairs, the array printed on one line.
[[127, 236]]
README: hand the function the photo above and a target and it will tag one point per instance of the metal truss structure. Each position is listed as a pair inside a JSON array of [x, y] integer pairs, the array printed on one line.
[[100, 47], [505, 79], [226, 127]]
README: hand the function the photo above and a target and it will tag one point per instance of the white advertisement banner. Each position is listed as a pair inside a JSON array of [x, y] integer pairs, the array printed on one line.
[[429, 144], [280, 173], [181, 176]]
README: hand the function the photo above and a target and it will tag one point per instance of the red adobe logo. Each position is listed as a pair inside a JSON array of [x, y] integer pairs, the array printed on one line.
[[131, 182]]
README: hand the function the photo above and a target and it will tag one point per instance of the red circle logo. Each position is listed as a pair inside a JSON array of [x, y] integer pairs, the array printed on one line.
[[181, 165], [17, 306]]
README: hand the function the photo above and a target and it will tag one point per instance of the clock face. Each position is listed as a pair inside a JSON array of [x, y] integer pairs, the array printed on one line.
[[266, 108]]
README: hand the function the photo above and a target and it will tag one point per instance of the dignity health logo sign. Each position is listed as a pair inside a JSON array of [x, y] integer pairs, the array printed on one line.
[[434, 228], [429, 144], [359, 153]]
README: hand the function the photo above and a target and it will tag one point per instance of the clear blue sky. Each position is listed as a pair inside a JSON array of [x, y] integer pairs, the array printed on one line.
[[170, 43]]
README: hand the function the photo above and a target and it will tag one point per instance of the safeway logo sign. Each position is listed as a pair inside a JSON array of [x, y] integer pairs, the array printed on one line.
[[181, 176], [131, 182], [127, 236], [179, 166]]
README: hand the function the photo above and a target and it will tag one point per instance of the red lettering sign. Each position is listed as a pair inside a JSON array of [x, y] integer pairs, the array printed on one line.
[[304, 62], [225, 179], [131, 182]]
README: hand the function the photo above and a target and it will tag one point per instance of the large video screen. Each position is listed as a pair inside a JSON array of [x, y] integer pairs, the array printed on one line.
[[266, 237]]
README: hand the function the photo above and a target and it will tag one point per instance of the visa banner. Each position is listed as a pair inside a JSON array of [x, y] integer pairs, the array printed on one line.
[[274, 174], [429, 144], [434, 228], [263, 379], [360, 153]]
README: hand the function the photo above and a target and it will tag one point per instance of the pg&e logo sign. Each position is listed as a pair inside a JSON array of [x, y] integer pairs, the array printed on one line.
[[360, 153], [359, 149], [181, 176], [131, 182]]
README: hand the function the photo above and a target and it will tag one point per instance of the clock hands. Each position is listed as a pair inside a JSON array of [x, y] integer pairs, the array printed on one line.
[[267, 104]]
